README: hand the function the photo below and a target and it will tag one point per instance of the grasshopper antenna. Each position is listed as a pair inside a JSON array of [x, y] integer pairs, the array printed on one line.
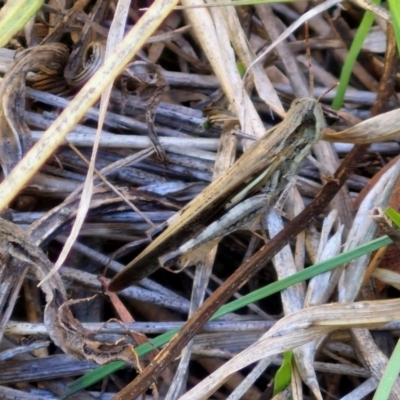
[[308, 53], [327, 91]]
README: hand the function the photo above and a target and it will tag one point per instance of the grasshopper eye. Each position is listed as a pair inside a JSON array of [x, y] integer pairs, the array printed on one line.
[[295, 102]]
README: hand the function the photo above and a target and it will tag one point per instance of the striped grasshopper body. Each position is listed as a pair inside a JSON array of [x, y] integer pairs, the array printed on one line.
[[265, 165]]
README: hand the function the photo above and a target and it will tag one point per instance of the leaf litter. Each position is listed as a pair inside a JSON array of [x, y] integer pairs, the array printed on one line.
[[158, 151]]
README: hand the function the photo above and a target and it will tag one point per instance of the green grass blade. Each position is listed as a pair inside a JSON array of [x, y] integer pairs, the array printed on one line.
[[389, 376], [283, 375], [301, 276], [99, 373], [354, 50], [393, 215], [14, 16], [394, 6], [91, 378]]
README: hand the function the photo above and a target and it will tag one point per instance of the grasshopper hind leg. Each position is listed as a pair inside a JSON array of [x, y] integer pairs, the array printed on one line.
[[278, 206], [236, 218]]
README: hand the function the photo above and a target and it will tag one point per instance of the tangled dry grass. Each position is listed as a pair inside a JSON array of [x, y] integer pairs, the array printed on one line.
[[179, 105]]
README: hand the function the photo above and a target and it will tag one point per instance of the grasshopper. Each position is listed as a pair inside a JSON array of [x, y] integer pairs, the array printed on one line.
[[264, 167]]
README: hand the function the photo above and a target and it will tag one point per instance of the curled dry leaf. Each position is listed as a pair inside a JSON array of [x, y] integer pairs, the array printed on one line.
[[44, 61], [378, 129], [362, 230], [65, 331], [81, 343], [389, 277]]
